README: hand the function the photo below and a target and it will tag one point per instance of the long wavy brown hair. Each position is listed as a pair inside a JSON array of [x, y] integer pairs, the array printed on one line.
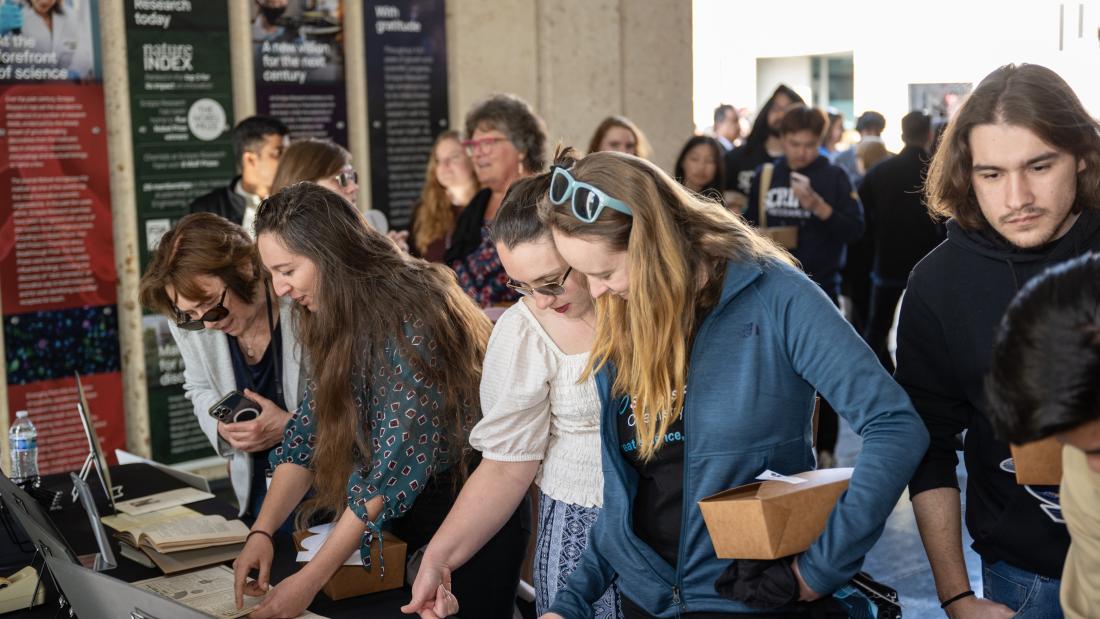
[[311, 159], [1029, 96], [677, 245], [434, 215], [365, 289]]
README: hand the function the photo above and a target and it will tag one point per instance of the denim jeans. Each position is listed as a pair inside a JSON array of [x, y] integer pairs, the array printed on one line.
[[1030, 595]]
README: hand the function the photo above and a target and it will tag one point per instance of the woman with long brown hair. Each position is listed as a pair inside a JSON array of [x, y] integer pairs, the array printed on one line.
[[395, 349], [329, 165], [620, 134], [709, 347], [449, 185]]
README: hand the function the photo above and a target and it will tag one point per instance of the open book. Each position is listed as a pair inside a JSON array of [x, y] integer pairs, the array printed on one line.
[[184, 533], [177, 538]]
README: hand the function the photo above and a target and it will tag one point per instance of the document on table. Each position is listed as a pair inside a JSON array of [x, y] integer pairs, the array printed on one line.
[[162, 500], [313, 543], [208, 591]]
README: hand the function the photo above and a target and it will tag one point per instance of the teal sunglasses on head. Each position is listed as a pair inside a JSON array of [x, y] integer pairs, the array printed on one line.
[[587, 201]]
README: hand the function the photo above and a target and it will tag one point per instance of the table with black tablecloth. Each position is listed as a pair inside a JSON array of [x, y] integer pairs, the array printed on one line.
[[138, 480]]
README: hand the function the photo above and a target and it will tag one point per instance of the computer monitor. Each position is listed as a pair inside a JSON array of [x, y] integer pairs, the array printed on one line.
[[44, 534], [94, 594], [96, 457]]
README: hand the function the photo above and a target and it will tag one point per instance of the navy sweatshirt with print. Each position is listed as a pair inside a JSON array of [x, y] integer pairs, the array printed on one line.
[[822, 244]]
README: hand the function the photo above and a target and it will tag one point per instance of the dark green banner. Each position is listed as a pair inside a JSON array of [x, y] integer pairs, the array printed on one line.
[[181, 103]]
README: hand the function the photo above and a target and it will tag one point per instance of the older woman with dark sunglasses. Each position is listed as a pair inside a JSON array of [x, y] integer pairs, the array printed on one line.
[[234, 334]]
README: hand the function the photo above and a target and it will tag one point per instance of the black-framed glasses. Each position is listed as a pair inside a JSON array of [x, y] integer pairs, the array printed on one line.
[[214, 314], [346, 178], [551, 290], [587, 201]]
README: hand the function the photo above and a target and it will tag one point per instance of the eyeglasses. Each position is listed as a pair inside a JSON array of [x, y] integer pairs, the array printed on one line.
[[484, 145], [550, 290], [214, 314], [346, 177], [587, 201]]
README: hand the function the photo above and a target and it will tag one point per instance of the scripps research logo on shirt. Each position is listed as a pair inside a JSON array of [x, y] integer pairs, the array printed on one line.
[[1049, 497], [781, 202]]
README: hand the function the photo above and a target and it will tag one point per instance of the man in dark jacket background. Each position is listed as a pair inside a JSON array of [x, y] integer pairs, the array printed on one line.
[[813, 197], [258, 143], [1018, 172], [899, 229], [760, 147]]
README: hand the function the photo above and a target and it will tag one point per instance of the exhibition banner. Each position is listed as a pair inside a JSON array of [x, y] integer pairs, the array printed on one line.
[[406, 50], [58, 283], [181, 109], [298, 53]]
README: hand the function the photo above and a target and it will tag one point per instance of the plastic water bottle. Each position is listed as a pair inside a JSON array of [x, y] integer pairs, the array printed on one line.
[[23, 441]]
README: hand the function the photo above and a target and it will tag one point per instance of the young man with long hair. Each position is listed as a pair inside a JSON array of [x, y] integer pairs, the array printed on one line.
[[1018, 173]]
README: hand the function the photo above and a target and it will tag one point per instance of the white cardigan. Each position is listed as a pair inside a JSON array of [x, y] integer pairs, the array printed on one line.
[[208, 377]]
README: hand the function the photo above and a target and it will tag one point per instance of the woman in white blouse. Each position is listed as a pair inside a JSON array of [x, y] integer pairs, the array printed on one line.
[[539, 423]]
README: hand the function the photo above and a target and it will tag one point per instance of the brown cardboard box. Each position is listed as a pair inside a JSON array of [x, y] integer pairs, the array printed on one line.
[[352, 580], [772, 519], [1038, 463]]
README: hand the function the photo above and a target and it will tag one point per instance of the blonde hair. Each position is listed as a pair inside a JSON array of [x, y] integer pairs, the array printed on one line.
[[434, 217], [677, 245], [868, 154]]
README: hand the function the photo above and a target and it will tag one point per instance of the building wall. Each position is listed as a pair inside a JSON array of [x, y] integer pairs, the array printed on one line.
[[577, 61], [939, 41]]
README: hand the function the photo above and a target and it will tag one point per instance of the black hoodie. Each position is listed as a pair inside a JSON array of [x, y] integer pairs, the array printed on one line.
[[952, 306]]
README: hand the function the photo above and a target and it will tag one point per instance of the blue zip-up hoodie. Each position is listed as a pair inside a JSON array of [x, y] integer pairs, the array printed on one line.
[[758, 355]]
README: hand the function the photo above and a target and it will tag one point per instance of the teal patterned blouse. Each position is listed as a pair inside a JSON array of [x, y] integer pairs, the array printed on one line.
[[400, 418]]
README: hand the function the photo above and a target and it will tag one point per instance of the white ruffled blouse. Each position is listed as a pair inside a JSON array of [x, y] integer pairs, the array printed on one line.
[[533, 408]]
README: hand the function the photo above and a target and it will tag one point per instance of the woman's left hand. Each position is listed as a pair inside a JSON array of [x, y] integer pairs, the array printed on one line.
[[286, 600], [805, 593]]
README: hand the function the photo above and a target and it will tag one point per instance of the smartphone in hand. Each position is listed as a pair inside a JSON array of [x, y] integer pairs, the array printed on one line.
[[234, 407]]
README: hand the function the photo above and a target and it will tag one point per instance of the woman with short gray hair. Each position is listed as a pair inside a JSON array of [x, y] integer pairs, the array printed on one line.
[[507, 142]]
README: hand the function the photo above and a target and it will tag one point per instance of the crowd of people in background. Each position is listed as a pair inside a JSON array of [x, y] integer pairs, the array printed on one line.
[[659, 336]]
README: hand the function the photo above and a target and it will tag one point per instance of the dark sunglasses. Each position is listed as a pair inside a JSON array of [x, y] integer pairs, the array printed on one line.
[[347, 178], [214, 314], [550, 290]]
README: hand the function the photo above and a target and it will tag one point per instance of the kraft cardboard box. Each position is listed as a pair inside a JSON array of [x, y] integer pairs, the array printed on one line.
[[352, 580], [775, 518], [1038, 463]]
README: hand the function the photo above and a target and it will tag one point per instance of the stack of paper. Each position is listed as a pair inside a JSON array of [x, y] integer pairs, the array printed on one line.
[[313, 543], [177, 538]]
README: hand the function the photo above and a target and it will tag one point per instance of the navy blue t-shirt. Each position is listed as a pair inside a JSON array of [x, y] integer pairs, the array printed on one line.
[[265, 379], [658, 506]]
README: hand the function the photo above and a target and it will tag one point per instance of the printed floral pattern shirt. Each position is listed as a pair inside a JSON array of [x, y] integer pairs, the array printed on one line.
[[482, 275], [400, 417]]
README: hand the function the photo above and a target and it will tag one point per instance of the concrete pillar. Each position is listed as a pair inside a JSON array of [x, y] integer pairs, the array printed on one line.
[[576, 62], [116, 89]]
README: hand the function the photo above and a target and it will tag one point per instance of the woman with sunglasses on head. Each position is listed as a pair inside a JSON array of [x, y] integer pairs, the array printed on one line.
[[540, 423], [380, 436], [710, 345], [505, 140], [233, 334], [329, 165]]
